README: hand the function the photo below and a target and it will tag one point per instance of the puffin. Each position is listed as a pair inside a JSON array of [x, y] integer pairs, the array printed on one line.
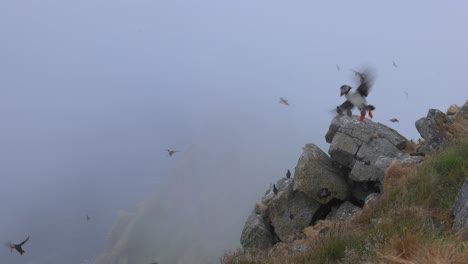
[[171, 152], [18, 247], [288, 174], [275, 190], [357, 98], [283, 101]]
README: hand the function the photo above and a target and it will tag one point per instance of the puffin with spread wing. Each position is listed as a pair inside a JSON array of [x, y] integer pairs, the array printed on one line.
[[357, 98]]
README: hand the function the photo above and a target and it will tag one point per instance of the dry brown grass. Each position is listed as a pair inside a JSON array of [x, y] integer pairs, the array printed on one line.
[[410, 147], [398, 175], [413, 248]]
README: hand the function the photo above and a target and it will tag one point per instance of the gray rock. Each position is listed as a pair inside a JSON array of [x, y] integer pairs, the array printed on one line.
[[344, 212], [256, 233], [460, 210], [353, 141], [462, 113], [291, 212], [343, 149], [317, 178], [433, 128]]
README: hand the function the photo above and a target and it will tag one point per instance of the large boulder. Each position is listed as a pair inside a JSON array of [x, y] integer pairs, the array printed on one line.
[[317, 178], [290, 211], [357, 145], [460, 210], [433, 128], [256, 233], [452, 110]]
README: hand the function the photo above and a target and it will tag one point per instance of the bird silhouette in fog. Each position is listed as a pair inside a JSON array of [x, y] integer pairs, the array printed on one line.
[[171, 152], [275, 190], [87, 217], [394, 64], [18, 247], [288, 174], [338, 67], [283, 101]]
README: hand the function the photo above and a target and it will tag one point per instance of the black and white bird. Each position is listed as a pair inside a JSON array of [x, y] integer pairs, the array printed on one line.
[[171, 152], [283, 101], [18, 247], [288, 174], [393, 120], [358, 97]]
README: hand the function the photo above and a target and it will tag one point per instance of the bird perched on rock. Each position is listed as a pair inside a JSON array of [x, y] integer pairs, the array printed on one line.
[[358, 97], [275, 190], [288, 174], [171, 152], [283, 101], [18, 247], [393, 120]]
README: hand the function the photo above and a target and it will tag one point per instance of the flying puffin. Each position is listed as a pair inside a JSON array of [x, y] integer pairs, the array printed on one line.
[[18, 247], [283, 101], [171, 152], [358, 97]]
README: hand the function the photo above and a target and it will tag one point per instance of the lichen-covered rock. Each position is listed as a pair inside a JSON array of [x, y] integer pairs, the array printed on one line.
[[343, 212], [433, 128], [317, 178], [256, 233], [453, 109], [460, 210], [290, 212]]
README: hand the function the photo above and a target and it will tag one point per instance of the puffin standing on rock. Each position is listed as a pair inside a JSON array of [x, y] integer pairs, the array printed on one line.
[[358, 97]]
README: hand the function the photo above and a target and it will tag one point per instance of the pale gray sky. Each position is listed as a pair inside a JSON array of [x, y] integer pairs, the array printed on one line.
[[92, 91]]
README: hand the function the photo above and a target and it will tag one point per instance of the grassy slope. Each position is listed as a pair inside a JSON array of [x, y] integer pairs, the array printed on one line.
[[410, 224]]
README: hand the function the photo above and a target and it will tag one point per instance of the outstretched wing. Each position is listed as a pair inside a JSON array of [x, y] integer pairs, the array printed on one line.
[[22, 243], [366, 80]]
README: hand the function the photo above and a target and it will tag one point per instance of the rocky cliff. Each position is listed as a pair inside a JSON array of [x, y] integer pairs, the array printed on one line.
[[338, 185]]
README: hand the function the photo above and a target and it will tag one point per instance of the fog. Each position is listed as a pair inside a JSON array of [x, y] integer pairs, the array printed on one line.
[[92, 92]]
